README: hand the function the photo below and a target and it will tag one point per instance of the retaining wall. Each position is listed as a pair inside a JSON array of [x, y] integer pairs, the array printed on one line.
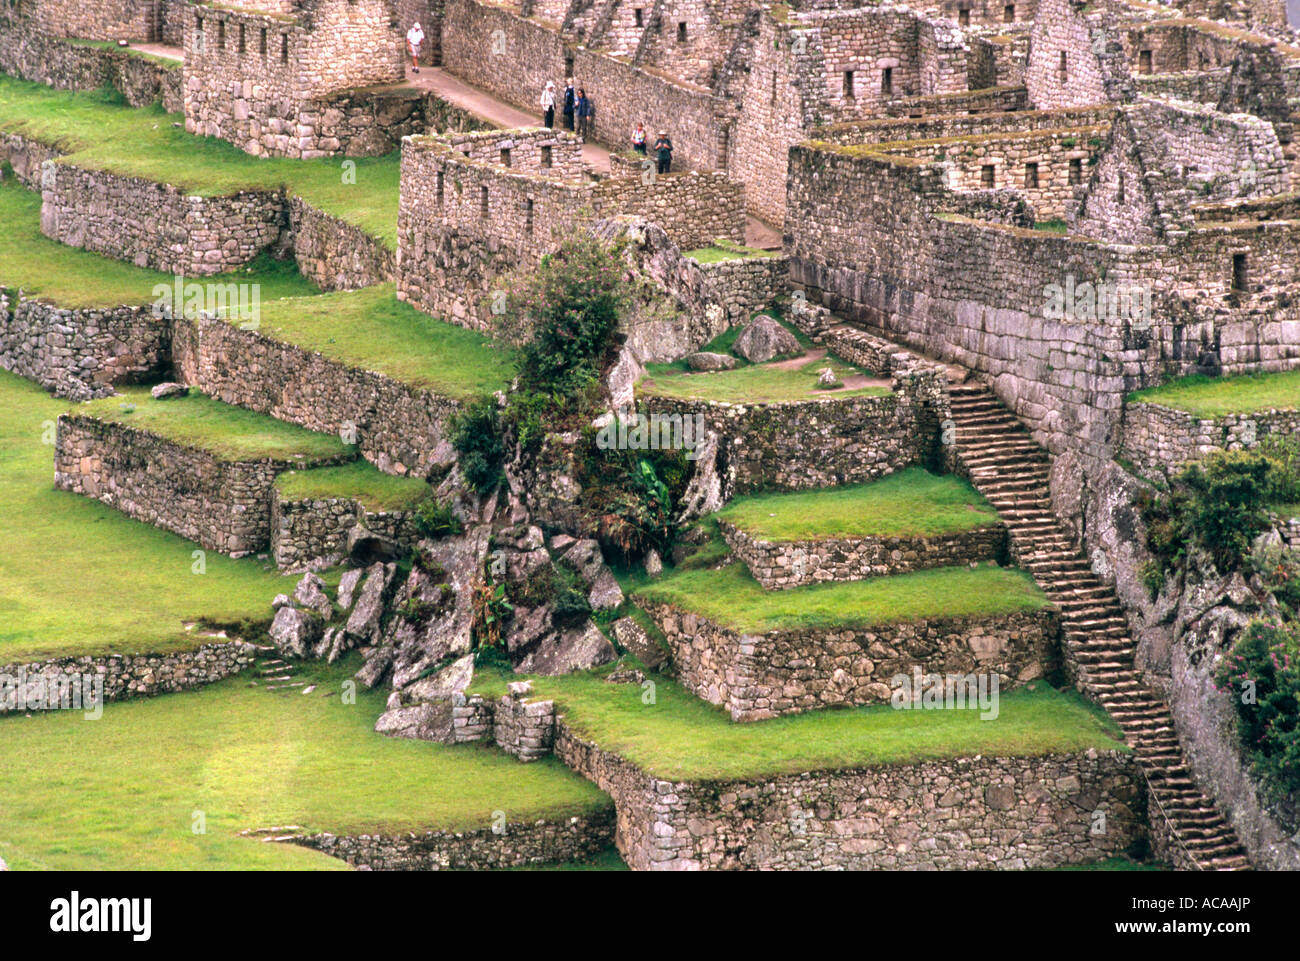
[[1158, 440], [313, 533]]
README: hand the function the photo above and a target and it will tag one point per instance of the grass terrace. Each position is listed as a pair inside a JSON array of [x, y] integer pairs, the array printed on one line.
[[911, 502], [77, 577], [681, 737], [1216, 396], [730, 597], [724, 249], [73, 278], [100, 132], [247, 758], [770, 383], [223, 430], [373, 330], [359, 480]]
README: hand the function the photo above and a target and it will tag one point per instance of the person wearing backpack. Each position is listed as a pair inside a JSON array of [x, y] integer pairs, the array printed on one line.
[[664, 152]]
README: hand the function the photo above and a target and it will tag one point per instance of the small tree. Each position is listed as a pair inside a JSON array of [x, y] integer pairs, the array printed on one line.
[[1262, 675]]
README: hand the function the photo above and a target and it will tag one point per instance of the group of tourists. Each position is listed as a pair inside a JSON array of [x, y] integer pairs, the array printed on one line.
[[576, 110], [579, 115]]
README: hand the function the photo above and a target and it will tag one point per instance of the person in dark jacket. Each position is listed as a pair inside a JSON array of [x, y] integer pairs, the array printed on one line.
[[586, 112], [664, 152], [569, 101]]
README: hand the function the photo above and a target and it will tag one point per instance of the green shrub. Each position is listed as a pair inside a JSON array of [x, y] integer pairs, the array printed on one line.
[[632, 494], [1262, 674], [476, 435], [435, 519]]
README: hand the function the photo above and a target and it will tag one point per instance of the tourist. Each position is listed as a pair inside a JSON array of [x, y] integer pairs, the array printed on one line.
[[569, 100], [548, 104], [586, 112], [638, 138], [664, 152], [414, 40]]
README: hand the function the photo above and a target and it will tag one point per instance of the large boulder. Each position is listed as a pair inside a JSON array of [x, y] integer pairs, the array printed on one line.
[[364, 621], [294, 632], [707, 360], [577, 649], [638, 643], [428, 721], [310, 595], [365, 547], [764, 339]]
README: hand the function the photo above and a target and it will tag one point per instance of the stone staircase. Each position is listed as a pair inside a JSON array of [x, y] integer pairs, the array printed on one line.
[[277, 674], [1007, 466]]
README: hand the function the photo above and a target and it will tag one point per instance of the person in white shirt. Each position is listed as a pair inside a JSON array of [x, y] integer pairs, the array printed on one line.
[[414, 40], [548, 104]]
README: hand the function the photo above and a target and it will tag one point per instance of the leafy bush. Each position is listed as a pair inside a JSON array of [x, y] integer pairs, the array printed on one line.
[[1219, 506], [632, 493], [435, 519], [1262, 673], [476, 435], [566, 318]]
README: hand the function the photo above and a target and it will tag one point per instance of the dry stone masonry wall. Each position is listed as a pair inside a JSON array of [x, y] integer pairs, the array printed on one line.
[[1158, 440], [313, 533]]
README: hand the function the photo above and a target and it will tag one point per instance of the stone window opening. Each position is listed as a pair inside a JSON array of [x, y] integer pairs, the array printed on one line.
[[284, 48], [1076, 171], [221, 35], [528, 215], [1064, 67], [242, 40], [774, 86], [483, 203], [887, 80], [681, 31], [963, 17], [546, 157], [1031, 176], [1009, 13], [439, 186], [1240, 278], [568, 66], [505, 156], [1119, 189], [848, 84], [639, 15], [261, 44], [1144, 61], [986, 176], [198, 34]]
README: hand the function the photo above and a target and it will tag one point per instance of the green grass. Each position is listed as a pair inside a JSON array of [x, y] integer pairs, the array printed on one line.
[[129, 783], [682, 737], [359, 480], [70, 277], [723, 249], [912, 502], [1215, 396], [167, 62], [756, 384], [373, 330], [98, 133], [77, 577], [228, 432], [1286, 511], [732, 598]]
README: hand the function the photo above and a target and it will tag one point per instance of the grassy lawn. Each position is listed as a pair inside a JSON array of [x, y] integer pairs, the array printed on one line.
[[130, 783], [1216, 396], [98, 132], [723, 249], [910, 502], [359, 480], [682, 737], [71, 277], [731, 597], [373, 330], [755, 384], [77, 577], [228, 432]]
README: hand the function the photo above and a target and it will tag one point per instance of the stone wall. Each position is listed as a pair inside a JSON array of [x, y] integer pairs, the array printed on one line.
[[397, 427], [524, 729], [156, 225], [759, 676], [141, 675], [81, 353], [334, 254], [783, 564], [268, 82], [970, 813], [101, 20], [223, 505], [744, 286], [72, 65], [813, 443], [27, 157], [1158, 440], [537, 842], [313, 533]]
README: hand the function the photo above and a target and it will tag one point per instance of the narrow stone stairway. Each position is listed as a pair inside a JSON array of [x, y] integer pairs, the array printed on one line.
[[277, 674], [1007, 466]]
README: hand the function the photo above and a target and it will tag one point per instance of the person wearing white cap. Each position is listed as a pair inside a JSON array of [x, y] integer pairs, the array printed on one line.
[[548, 103], [414, 40]]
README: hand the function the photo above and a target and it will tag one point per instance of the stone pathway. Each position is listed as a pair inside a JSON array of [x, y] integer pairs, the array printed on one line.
[[1007, 466]]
